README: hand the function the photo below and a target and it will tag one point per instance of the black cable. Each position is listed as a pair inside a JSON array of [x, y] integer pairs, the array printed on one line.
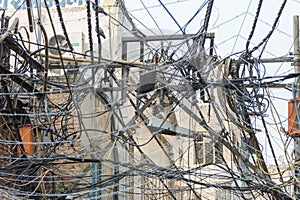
[[207, 16], [98, 32], [61, 20], [254, 24], [89, 22], [196, 13], [273, 28], [163, 5]]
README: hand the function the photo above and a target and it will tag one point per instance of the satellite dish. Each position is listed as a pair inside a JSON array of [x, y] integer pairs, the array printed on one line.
[[62, 43]]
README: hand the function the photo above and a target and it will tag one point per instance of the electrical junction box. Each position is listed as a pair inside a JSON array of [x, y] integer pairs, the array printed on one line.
[[147, 82]]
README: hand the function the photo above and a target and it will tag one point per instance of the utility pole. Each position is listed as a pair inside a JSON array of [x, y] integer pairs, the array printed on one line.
[[297, 138]]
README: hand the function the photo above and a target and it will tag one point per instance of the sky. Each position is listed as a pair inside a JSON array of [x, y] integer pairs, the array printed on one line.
[[231, 21]]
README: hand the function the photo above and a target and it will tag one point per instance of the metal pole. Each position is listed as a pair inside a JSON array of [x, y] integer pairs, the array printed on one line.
[[297, 139]]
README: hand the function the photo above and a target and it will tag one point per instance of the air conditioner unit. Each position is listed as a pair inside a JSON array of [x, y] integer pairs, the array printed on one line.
[[62, 43], [77, 41]]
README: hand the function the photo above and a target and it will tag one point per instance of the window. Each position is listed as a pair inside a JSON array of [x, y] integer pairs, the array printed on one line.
[[208, 152]]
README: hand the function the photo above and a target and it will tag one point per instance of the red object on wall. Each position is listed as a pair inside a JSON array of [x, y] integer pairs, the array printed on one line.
[[27, 139], [292, 117]]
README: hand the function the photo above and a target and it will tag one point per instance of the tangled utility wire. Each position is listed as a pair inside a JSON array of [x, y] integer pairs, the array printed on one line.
[[94, 133]]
